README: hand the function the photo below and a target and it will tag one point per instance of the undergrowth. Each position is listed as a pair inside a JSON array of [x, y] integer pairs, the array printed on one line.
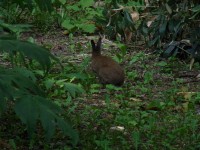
[[158, 107], [153, 109]]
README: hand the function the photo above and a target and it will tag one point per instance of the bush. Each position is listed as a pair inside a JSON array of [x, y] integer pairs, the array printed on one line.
[[19, 88], [173, 22]]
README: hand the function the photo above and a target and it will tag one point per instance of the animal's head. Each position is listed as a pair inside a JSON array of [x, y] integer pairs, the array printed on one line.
[[96, 48]]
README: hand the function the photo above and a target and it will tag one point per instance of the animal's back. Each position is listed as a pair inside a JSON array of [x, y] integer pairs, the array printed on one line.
[[109, 71]]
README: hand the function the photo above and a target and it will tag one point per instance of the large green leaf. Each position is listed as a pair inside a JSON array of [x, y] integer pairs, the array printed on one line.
[[15, 28], [47, 118], [32, 108], [28, 111], [4, 92], [13, 83], [5, 89], [30, 104], [29, 50], [27, 73]]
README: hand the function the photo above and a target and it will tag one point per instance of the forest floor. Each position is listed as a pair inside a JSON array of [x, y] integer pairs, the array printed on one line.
[[153, 88], [75, 49]]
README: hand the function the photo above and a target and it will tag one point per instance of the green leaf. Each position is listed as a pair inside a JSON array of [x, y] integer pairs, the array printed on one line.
[[196, 8], [175, 52], [3, 89], [86, 3], [8, 37], [73, 7], [48, 117], [15, 28], [68, 130], [177, 27], [26, 73], [154, 105], [163, 27], [89, 28], [31, 108], [161, 64], [132, 122], [29, 50], [148, 77], [156, 39], [136, 139], [14, 84], [63, 1], [145, 30], [137, 57], [67, 24], [196, 14], [6, 92], [123, 48], [171, 25], [50, 106], [168, 8], [128, 18], [49, 83], [170, 49], [73, 89], [27, 110]]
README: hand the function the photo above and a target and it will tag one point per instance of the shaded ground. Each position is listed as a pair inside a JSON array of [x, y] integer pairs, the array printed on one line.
[[75, 49], [166, 74], [147, 79]]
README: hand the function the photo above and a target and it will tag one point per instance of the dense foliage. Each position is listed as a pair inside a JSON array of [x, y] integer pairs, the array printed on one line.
[[19, 88], [174, 22]]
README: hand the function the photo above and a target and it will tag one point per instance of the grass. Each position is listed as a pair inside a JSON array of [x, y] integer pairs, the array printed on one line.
[[152, 110]]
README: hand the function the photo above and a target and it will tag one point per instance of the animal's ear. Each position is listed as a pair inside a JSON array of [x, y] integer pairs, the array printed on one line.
[[99, 44], [93, 45]]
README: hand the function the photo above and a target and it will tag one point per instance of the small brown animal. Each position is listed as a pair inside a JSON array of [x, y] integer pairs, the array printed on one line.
[[108, 71]]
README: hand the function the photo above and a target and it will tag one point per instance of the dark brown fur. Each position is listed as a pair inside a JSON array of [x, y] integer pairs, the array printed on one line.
[[108, 71]]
